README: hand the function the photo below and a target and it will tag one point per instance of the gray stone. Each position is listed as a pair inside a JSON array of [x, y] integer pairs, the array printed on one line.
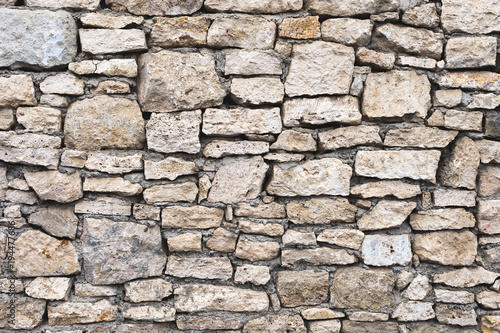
[[489, 181], [360, 327], [109, 21], [63, 84], [471, 16], [208, 322], [252, 62], [88, 290], [307, 287], [232, 122], [200, 268], [73, 4], [276, 323], [453, 296], [158, 7], [17, 90], [246, 33], [157, 313], [351, 7], [104, 206], [318, 257], [418, 288], [58, 221], [253, 6], [489, 299], [447, 97], [463, 120], [347, 31], [484, 101], [7, 119], [452, 315], [292, 237], [386, 250]]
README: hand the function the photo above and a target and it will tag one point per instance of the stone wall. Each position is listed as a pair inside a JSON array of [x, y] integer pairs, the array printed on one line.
[[250, 166]]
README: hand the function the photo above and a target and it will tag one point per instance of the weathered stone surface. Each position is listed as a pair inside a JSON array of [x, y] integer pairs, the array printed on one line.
[[292, 237], [347, 31], [284, 157], [453, 296], [205, 185], [268, 229], [174, 132], [307, 287], [116, 185], [111, 67], [221, 148], [6, 286], [48, 38], [54, 185], [185, 191], [257, 275], [173, 81], [210, 322], [470, 16], [200, 268], [179, 31], [489, 181], [222, 240], [313, 177], [488, 299], [63, 84], [88, 290], [276, 323], [155, 7], [471, 52], [257, 90], [386, 214], [424, 63], [360, 327], [448, 97], [188, 242], [246, 33], [255, 7], [37, 254], [29, 313], [490, 324], [439, 219], [451, 197], [300, 28], [385, 188], [484, 101], [321, 110], [480, 80], [419, 165], [52, 288], [351, 7], [104, 206], [3, 183], [7, 119], [271, 210], [104, 122], [463, 120], [58, 221], [396, 93], [69, 313], [377, 60], [111, 87], [295, 141], [466, 277], [204, 297], [320, 313], [73, 4], [460, 168], [321, 211], [238, 181], [17, 90], [169, 168], [317, 257], [116, 252], [418, 288], [324, 326], [492, 127], [231, 122], [422, 42], [420, 136], [113, 164], [256, 251], [109, 21], [355, 287], [350, 238], [346, 137], [147, 290], [21, 197], [451, 315], [368, 316], [39, 119], [488, 212], [156, 313], [252, 62], [386, 250], [334, 63], [424, 16], [195, 217], [446, 247], [414, 311]]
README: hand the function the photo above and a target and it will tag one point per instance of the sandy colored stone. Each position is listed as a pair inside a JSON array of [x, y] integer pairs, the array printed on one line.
[[58, 221], [204, 297], [490, 324], [386, 214], [53, 100], [268, 229], [109, 21], [386, 250], [347, 31], [231, 122], [6, 286], [174, 132], [477, 80], [447, 97], [351, 7], [276, 323], [222, 240], [418, 288], [188, 242], [454, 296], [257, 91], [252, 62], [414, 311], [29, 313], [158, 7], [424, 63], [446, 247], [69, 313], [271, 210], [321, 211], [157, 313], [396, 93], [176, 192], [334, 62], [54, 185], [37, 254], [100, 41], [73, 4], [294, 141], [300, 28], [204, 185], [214, 268], [179, 31], [452, 197], [193, 217], [350, 238], [254, 6], [116, 252], [350, 136], [147, 290], [208, 322], [360, 327], [470, 16], [88, 290], [484, 101], [452, 315], [169, 168], [292, 237], [221, 148], [489, 181], [113, 164], [439, 219], [488, 299], [367, 289], [111, 87], [420, 136], [466, 277], [377, 60], [488, 213], [39, 119], [256, 275], [21, 197], [7, 119], [284, 157], [115, 185], [313, 177], [111, 67], [424, 16], [52, 288], [318, 257], [321, 110], [320, 313], [460, 168], [73, 158], [463, 120], [385, 188], [173, 81], [104, 206], [246, 33], [256, 251], [238, 181], [471, 52], [17, 90], [63, 84], [306, 287], [368, 316]]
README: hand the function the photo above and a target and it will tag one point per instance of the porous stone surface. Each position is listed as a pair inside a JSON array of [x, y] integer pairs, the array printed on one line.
[[307, 287], [254, 6], [446, 247], [245, 33], [156, 7]]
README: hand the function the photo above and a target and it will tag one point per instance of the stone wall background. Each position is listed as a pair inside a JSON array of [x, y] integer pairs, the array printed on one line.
[[250, 166]]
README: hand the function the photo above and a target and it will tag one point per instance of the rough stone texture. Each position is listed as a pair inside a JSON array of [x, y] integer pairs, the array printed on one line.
[[446, 247], [188, 242], [460, 168], [334, 63], [349, 238], [424, 16], [221, 148], [385, 188], [54, 185], [487, 216], [29, 313], [252, 62], [359, 327], [480, 80], [104, 206], [386, 214], [292, 237], [48, 38], [138, 255], [347, 31], [455, 316], [306, 287], [73, 4], [318, 257], [257, 91], [466, 277], [156, 313], [439, 219], [53, 288], [116, 185], [422, 137], [414, 311], [147, 290], [321, 211], [169, 168], [255, 7], [200, 268], [112, 67], [256, 251], [450, 296], [351, 7], [378, 60], [109, 21], [7, 119], [470, 16], [80, 313], [463, 120], [300, 28], [291, 140], [39, 119], [109, 163], [386, 250], [58, 221], [173, 81], [257, 275], [245, 33], [179, 31], [489, 181], [276, 323], [222, 240], [471, 52], [63, 84], [196, 217], [345, 137], [452, 197], [155, 7], [186, 191], [17, 90]]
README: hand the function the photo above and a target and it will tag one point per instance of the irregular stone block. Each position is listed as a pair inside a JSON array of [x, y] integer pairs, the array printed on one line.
[[471, 52], [185, 191], [64, 313], [257, 275], [271, 210], [63, 84], [268, 229], [466, 277], [424, 16], [385, 188], [188, 242], [7, 119], [350, 238], [480, 80], [252, 62], [222, 240], [386, 214], [424, 63], [414, 311], [377, 60], [295, 141], [54, 185], [73, 4], [451, 315], [360, 327], [347, 31], [300, 28], [52, 288], [246, 33], [420, 136], [324, 326], [88, 290], [320, 313], [17, 90], [58, 221], [113, 164], [173, 81], [453, 296], [109, 21], [276, 323], [158, 7], [221, 148], [470, 16], [321, 211], [146, 212], [439, 219], [459, 169], [350, 136], [29, 312], [463, 120], [169, 168], [307, 287], [318, 257], [333, 61], [184, 31], [488, 221], [257, 91], [446, 247], [489, 299], [111, 67], [195, 217], [30, 149], [386, 250], [39, 119], [489, 181], [351, 7], [200, 268], [254, 6], [156, 313], [256, 251], [147, 290], [48, 38], [447, 97], [210, 322], [111, 87], [116, 185]]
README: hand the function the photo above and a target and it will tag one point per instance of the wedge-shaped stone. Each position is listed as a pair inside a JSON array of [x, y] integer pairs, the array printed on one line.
[[245, 33], [471, 16], [104, 122], [256, 251], [350, 238], [424, 16], [169, 168], [104, 206], [414, 164], [39, 119], [48, 38], [318, 257], [37, 254], [488, 217], [386, 214], [52, 288], [29, 312], [422, 42], [195, 217], [489, 181], [471, 52], [459, 169], [231, 122], [446, 247], [414, 311], [238, 181], [367, 289], [439, 219], [421, 136], [320, 68], [183, 31], [351, 7], [313, 177], [109, 21], [113, 164], [54, 185], [116, 252], [252, 62], [347, 31], [158, 7], [58, 221], [466, 277], [481, 80], [73, 4], [271, 210], [116, 185], [69, 313], [174, 81], [186, 191], [346, 137], [321, 211], [30, 149], [17, 90], [395, 94], [386, 250], [111, 67], [200, 268], [321, 110], [147, 290], [204, 297], [221, 148], [308, 287], [385, 188], [253, 6], [257, 90]]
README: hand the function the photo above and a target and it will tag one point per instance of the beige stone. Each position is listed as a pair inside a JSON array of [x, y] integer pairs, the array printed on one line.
[[109, 21], [268, 229], [231, 122], [466, 277], [488, 221], [6, 286], [418, 289], [378, 60], [368, 316], [254, 6], [157, 313], [188, 242], [222, 240], [200, 268], [69, 313], [359, 327], [104, 206], [321, 211], [7, 119], [17, 90], [252, 62], [452, 197], [424, 63], [88, 290], [414, 311], [350, 136], [460, 168], [271, 210], [424, 16], [176, 192], [63, 84], [256, 275], [169, 168], [439, 219], [111, 87], [480, 80], [194, 217], [436, 118], [484, 101], [257, 90], [183, 31], [156, 7], [39, 119], [386, 214], [276, 323], [147, 290], [204, 185], [351, 7], [100, 41], [470, 16], [113, 164], [320, 313], [335, 63], [59, 221], [208, 322], [421, 136], [115, 185], [21, 197], [489, 181], [386, 250], [347, 31], [245, 33], [52, 288], [471, 52], [385, 188], [447, 97], [306, 287], [73, 4], [446, 247], [464, 120], [29, 313], [292, 237], [284, 157], [111, 67], [300, 28], [453, 296], [488, 299], [256, 251], [318, 257], [295, 141], [350, 238], [73, 158], [451, 315], [54, 185], [490, 324]]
